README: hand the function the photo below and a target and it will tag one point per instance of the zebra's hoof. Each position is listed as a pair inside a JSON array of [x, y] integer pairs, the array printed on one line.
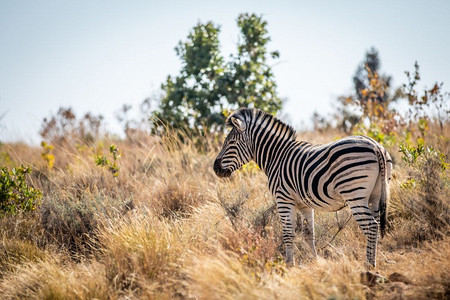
[[370, 265], [289, 262]]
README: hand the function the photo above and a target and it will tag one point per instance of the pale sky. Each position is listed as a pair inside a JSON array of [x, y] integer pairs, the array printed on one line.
[[98, 55]]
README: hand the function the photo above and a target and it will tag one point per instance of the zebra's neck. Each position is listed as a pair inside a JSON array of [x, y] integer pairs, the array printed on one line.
[[269, 141]]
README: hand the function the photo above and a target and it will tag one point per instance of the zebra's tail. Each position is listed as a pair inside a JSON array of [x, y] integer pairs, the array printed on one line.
[[383, 161]]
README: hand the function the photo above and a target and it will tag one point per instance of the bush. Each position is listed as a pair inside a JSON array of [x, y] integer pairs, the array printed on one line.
[[421, 197], [15, 194], [177, 199], [111, 165], [71, 223]]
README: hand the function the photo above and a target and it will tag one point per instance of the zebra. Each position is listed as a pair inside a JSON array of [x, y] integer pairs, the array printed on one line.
[[353, 171]]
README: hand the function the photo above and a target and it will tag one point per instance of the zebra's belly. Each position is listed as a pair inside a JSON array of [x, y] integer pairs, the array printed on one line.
[[332, 204]]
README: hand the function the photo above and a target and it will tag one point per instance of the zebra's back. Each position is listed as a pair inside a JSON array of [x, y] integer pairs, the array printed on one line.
[[326, 177]]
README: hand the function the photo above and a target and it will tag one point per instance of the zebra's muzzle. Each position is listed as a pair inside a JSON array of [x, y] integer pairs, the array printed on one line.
[[220, 171]]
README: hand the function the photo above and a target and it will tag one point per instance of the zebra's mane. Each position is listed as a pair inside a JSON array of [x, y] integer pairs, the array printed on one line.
[[252, 115]]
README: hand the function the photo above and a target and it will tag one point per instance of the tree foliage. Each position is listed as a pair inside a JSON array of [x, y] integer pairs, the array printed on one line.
[[372, 94], [207, 85], [369, 84]]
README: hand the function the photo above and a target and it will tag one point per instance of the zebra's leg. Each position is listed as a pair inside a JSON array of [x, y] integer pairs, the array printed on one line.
[[308, 215], [374, 199], [366, 221], [286, 210]]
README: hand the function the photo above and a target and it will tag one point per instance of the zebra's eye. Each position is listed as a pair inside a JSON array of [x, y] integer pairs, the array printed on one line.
[[232, 142]]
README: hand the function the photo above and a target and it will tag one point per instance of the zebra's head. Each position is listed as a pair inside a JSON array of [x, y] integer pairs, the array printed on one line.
[[236, 148]]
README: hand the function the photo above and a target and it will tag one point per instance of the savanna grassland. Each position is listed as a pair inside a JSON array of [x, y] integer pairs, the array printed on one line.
[[87, 215], [148, 218]]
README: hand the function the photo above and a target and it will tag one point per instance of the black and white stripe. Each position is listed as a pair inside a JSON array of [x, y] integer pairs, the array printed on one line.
[[353, 171]]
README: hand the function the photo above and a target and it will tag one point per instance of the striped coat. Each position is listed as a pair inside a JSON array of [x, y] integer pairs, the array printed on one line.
[[353, 171]]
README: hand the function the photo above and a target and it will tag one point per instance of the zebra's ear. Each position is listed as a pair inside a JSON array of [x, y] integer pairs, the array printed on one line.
[[238, 123]]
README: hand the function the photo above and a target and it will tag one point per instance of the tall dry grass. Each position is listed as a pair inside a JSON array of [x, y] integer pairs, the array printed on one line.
[[167, 227]]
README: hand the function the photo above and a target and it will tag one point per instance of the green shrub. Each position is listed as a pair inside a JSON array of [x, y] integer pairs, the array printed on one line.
[[15, 194], [110, 164], [422, 197], [418, 156]]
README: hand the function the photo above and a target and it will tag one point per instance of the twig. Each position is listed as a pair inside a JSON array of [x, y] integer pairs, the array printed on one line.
[[339, 230]]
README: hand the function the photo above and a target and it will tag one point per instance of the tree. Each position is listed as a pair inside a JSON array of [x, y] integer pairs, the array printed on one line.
[[372, 94], [65, 126], [249, 80], [366, 71], [207, 86]]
